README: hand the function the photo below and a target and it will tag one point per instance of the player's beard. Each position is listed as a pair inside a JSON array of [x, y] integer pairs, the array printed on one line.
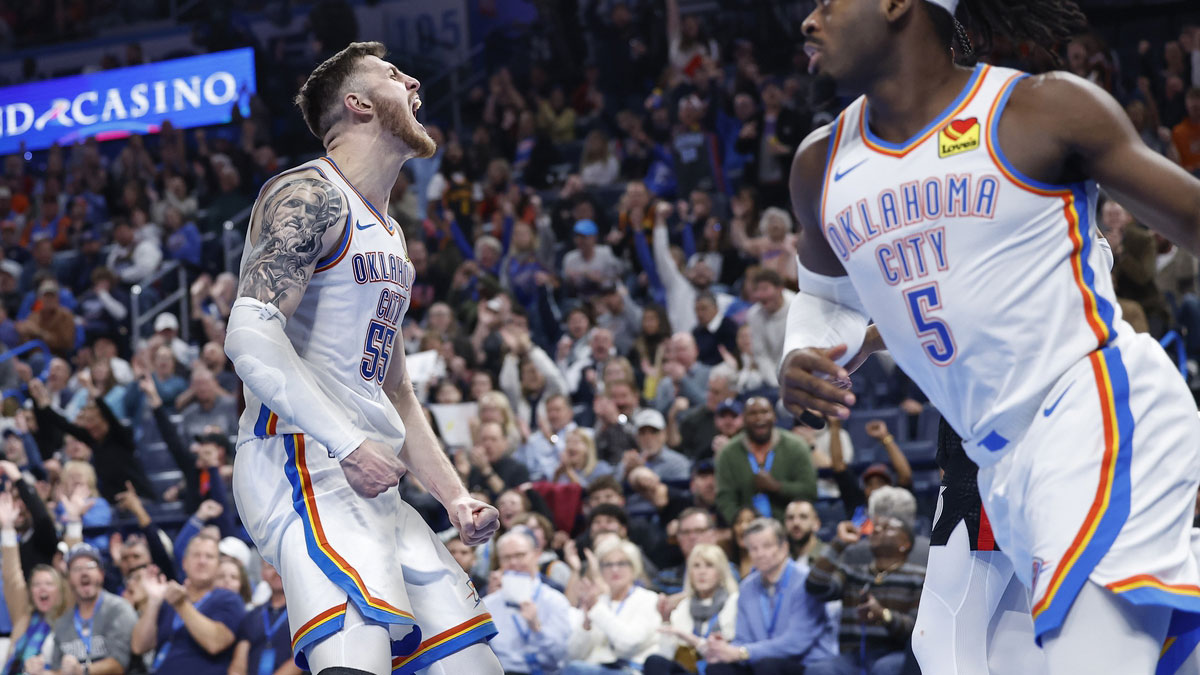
[[399, 121]]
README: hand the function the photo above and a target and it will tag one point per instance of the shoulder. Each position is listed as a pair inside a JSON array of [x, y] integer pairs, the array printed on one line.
[[225, 600], [747, 586], [791, 442], [1064, 105], [808, 164], [117, 606]]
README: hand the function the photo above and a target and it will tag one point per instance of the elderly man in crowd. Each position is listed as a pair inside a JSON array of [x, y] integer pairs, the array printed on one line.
[[533, 618]]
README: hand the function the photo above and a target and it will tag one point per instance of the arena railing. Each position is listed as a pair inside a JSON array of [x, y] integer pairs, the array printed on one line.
[[139, 317]]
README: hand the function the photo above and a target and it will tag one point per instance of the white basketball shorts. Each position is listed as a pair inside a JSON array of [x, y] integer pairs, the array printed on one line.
[[1103, 487], [333, 546]]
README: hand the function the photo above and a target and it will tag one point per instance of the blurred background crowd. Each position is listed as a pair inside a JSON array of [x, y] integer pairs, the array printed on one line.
[[604, 252]]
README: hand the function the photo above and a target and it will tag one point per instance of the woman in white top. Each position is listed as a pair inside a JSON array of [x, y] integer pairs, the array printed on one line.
[[620, 619], [709, 607]]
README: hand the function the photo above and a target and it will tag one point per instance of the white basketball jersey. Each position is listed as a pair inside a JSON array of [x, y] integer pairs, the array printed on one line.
[[348, 323], [982, 281]]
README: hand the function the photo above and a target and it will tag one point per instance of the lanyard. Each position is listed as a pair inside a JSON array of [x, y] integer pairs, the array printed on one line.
[[84, 628], [176, 624], [762, 503], [29, 645], [770, 614], [524, 632], [708, 628], [270, 628]]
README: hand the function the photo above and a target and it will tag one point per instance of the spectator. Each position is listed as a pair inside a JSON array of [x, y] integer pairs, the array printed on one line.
[[167, 380], [728, 423], [79, 502], [96, 634], [232, 576], [134, 256], [465, 557], [620, 618], [802, 522], [103, 307], [854, 495], [822, 440], [703, 488], [205, 405], [683, 374], [578, 463], [694, 429], [880, 587], [109, 442], [213, 356], [539, 614], [33, 610], [166, 328], [764, 467], [528, 377], [614, 412], [39, 267], [620, 315], [771, 138], [48, 225], [191, 625], [50, 322], [652, 451], [767, 322], [652, 497], [1186, 134], [715, 334], [775, 248], [598, 165], [771, 641], [693, 526], [708, 609], [587, 374], [490, 465], [589, 265]]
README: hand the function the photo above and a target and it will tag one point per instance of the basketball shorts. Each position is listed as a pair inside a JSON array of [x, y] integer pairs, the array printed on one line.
[[333, 547], [1102, 487]]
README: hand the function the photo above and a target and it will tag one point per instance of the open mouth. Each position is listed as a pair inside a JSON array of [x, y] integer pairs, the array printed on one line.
[[814, 56], [416, 104]]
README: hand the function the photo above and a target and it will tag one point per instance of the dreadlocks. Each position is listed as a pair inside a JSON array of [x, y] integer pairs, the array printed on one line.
[[1042, 24]]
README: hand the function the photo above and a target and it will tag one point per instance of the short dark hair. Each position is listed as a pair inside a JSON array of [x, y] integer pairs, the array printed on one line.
[[320, 92], [768, 275], [767, 525], [697, 511], [610, 510], [604, 483]]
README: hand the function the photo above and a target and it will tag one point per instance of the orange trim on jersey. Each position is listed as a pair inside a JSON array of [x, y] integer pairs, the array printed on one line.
[[934, 127], [310, 507], [442, 638], [1112, 441], [272, 423], [1070, 212], [1150, 581], [1166, 645], [840, 123], [314, 623]]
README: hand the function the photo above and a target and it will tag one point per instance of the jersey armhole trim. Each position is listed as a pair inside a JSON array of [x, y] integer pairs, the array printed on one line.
[[339, 253], [835, 139], [1001, 161]]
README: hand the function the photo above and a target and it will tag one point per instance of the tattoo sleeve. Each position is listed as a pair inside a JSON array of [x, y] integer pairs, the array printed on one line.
[[293, 223]]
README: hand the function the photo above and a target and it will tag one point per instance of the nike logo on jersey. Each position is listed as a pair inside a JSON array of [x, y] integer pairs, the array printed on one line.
[[838, 175], [360, 226], [1049, 411]]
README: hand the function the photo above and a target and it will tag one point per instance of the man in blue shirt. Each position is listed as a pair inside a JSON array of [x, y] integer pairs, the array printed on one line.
[[533, 618], [192, 625], [779, 624], [264, 644]]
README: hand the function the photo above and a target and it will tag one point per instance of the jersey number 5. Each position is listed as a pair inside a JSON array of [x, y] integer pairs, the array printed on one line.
[[934, 333], [377, 351]]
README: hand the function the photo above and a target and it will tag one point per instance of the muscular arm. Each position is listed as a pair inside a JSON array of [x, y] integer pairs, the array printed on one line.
[[1089, 133], [297, 221]]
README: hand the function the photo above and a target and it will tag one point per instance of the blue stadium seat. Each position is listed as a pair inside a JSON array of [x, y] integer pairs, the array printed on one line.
[[161, 480], [155, 458], [919, 451], [856, 426], [927, 424]]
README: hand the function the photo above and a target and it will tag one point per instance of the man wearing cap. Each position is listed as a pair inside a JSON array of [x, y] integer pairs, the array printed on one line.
[[166, 326], [652, 451], [764, 467], [93, 637], [589, 264], [50, 322]]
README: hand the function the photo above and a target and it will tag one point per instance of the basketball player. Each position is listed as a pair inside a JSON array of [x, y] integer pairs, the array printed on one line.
[[331, 419], [954, 207]]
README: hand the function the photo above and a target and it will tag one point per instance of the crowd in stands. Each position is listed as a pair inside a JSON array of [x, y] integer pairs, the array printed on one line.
[[603, 269]]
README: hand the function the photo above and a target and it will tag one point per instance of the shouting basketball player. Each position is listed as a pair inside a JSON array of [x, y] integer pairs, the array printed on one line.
[[955, 208], [331, 419]]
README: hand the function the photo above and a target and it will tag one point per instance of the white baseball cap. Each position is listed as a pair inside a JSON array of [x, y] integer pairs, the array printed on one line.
[[166, 321]]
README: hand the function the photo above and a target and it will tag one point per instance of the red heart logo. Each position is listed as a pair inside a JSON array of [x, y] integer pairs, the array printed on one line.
[[960, 127]]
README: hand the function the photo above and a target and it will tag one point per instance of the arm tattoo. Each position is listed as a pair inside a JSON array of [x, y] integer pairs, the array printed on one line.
[[294, 220]]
